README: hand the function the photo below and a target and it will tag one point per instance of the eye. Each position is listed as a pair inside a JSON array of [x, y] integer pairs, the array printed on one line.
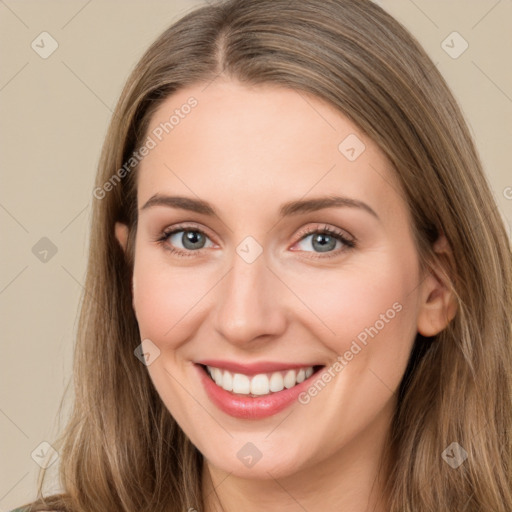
[[325, 240], [187, 240], [184, 240]]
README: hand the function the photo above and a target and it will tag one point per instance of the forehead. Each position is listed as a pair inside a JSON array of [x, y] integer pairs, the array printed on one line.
[[241, 144]]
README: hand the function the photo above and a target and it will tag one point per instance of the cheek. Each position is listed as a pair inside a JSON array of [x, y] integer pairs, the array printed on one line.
[[167, 302], [341, 304], [361, 306], [166, 299]]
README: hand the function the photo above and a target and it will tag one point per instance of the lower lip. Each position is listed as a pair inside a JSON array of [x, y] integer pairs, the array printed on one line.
[[247, 407]]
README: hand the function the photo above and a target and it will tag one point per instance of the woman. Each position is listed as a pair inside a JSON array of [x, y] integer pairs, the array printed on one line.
[[299, 287]]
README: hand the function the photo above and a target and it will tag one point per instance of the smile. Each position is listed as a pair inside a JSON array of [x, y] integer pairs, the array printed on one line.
[[254, 391], [260, 384]]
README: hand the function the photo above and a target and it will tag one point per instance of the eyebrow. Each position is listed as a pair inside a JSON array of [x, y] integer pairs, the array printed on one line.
[[287, 209]]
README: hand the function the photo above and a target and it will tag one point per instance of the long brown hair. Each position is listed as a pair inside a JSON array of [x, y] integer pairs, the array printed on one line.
[[121, 449]]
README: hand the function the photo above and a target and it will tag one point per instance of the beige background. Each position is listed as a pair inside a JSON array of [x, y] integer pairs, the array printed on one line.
[[54, 114]]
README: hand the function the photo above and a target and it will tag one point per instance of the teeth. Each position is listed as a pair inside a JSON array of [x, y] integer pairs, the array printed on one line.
[[261, 384], [241, 384], [290, 379], [217, 376], [276, 382], [227, 381]]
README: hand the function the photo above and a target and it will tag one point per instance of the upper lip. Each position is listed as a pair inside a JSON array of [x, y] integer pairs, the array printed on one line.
[[253, 368]]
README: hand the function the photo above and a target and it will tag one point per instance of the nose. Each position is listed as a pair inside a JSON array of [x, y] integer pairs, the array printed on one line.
[[249, 308]]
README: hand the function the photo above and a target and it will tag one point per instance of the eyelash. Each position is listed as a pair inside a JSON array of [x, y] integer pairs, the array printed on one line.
[[338, 235]]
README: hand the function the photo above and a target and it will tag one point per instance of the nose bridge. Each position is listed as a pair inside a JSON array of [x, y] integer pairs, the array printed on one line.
[[249, 299]]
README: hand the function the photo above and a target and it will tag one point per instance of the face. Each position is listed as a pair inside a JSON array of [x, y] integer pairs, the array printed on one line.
[[304, 310]]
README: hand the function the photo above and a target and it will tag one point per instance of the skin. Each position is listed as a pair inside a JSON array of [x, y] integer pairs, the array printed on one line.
[[247, 150]]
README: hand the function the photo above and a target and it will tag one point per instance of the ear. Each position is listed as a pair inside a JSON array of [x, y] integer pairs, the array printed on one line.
[[121, 231], [438, 303]]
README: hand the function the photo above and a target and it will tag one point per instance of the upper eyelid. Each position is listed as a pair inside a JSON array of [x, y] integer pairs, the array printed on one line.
[[185, 227], [323, 227]]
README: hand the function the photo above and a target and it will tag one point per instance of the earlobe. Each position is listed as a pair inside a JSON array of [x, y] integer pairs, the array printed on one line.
[[438, 302], [121, 232]]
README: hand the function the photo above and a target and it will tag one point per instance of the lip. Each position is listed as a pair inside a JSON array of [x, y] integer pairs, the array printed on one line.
[[252, 408], [252, 369]]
